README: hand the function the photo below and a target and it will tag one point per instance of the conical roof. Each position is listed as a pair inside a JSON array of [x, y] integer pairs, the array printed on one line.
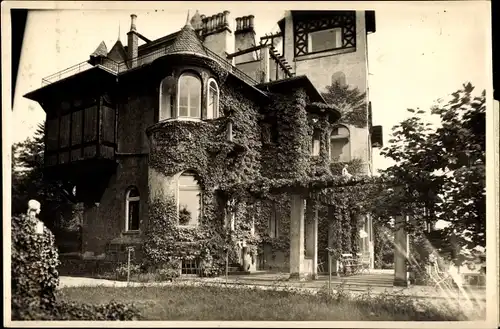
[[117, 53], [187, 41], [101, 50]]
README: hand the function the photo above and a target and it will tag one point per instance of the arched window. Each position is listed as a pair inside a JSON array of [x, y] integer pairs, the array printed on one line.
[[189, 200], [316, 143], [132, 209], [189, 96], [340, 146], [166, 98], [213, 100]]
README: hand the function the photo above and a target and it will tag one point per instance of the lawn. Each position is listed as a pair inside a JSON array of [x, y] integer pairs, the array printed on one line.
[[207, 303]]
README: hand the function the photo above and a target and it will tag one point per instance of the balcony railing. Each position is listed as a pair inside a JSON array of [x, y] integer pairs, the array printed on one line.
[[75, 69], [233, 69], [121, 67]]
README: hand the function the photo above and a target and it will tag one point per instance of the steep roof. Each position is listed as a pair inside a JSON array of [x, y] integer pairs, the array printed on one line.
[[285, 85], [187, 42], [117, 53], [161, 42], [101, 50]]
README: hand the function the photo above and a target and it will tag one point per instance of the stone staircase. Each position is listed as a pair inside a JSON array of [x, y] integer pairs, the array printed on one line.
[[361, 281], [364, 280], [236, 269]]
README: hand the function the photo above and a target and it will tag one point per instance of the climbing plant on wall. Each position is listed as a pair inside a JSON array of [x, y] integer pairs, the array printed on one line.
[[203, 148], [244, 179]]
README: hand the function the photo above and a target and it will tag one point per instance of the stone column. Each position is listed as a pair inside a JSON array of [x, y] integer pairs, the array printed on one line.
[[370, 240], [297, 237], [312, 240], [401, 249]]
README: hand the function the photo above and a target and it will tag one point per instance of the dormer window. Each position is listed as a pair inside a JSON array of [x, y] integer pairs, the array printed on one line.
[[189, 96], [213, 100]]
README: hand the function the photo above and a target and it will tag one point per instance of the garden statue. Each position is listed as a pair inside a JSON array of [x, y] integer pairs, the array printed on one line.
[[34, 208], [345, 172]]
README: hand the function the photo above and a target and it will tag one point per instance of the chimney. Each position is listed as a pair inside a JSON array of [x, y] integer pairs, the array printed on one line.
[[133, 42], [244, 38], [216, 34]]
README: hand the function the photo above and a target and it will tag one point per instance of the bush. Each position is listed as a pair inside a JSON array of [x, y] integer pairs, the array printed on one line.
[[122, 270], [34, 279], [166, 274], [86, 312], [34, 275]]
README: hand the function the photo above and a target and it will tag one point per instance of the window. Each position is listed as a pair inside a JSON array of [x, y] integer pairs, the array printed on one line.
[[189, 202], [189, 100], [132, 210], [340, 149], [316, 143], [273, 222], [324, 40], [189, 267], [328, 30], [166, 98], [213, 100], [230, 215]]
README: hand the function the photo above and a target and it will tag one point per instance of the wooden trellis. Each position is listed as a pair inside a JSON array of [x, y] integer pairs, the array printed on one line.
[[303, 25]]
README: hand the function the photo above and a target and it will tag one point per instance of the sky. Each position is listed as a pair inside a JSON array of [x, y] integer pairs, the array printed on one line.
[[420, 52]]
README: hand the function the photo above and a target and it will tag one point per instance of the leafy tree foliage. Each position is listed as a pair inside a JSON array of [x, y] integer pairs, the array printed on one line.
[[350, 101], [28, 182], [441, 172]]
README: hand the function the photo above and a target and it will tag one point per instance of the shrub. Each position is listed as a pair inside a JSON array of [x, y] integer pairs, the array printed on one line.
[[122, 270], [34, 279], [86, 312], [34, 275], [166, 274]]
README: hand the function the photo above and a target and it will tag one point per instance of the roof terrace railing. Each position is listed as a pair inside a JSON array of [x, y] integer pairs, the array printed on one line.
[[231, 68], [72, 70], [136, 62]]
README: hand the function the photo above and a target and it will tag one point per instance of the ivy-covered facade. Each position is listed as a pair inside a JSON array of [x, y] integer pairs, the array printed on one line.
[[197, 165]]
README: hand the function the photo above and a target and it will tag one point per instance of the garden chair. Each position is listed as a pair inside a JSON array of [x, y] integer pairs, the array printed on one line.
[[440, 277], [364, 263], [321, 268]]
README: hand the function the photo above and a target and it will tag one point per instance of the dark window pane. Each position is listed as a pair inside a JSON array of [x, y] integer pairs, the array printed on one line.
[[133, 215]]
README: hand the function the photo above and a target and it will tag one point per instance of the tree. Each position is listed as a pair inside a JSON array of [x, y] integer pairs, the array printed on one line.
[[350, 101], [441, 172], [28, 181]]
